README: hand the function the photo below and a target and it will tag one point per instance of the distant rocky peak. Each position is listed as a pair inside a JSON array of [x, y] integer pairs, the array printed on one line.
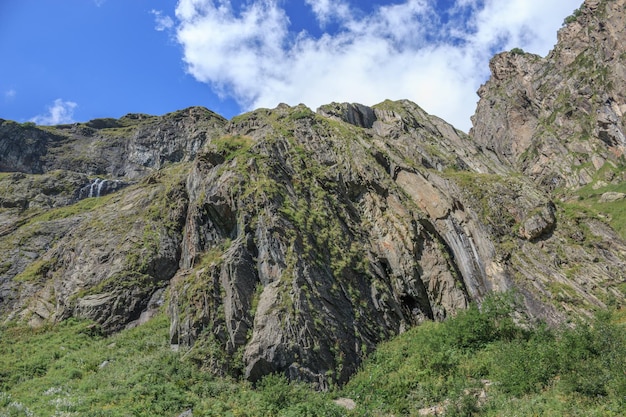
[[353, 113], [544, 116]]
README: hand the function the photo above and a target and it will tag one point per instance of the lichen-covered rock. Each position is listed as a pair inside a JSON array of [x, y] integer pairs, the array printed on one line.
[[611, 196], [539, 223]]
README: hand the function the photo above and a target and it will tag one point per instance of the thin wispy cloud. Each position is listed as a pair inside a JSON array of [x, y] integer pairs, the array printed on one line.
[[60, 112], [10, 94], [161, 22], [403, 50]]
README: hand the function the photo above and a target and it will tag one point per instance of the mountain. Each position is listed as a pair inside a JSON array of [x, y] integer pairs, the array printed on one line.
[[292, 241]]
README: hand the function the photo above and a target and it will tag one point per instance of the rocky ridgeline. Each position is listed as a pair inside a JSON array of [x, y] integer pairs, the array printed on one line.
[[294, 241]]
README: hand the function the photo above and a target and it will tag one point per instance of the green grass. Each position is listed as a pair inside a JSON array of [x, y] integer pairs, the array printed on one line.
[[70, 369], [523, 372], [34, 271], [588, 204], [232, 146], [80, 207]]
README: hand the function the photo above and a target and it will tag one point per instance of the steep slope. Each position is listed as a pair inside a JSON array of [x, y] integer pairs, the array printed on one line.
[[316, 248], [57, 245], [560, 121]]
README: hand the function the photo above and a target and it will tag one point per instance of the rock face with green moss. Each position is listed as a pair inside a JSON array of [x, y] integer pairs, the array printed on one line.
[[561, 119], [294, 241]]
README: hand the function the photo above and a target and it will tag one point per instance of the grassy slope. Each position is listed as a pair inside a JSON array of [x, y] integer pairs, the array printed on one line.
[[70, 370]]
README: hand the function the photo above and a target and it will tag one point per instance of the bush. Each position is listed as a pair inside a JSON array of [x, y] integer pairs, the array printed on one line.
[[276, 393], [525, 366], [313, 408], [572, 18], [476, 327], [593, 358]]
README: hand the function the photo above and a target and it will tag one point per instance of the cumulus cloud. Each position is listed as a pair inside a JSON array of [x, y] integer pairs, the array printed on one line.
[[60, 112], [407, 49], [161, 22]]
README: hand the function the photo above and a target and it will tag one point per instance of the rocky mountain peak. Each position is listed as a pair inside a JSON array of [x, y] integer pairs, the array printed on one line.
[[516, 63], [545, 116]]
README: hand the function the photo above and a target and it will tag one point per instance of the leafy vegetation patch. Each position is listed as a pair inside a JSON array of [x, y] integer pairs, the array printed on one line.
[[75, 209], [71, 370], [482, 363], [232, 146], [36, 270], [478, 363], [573, 17], [589, 203]]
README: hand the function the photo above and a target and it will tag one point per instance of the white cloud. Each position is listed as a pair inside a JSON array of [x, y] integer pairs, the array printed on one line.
[[237, 54], [402, 50], [327, 10], [10, 94], [60, 112], [99, 2], [162, 22]]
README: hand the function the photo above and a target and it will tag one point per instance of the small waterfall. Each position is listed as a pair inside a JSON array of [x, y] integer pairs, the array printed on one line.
[[96, 187], [99, 187]]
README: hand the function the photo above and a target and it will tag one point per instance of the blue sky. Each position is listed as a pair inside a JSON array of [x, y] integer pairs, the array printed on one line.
[[75, 60]]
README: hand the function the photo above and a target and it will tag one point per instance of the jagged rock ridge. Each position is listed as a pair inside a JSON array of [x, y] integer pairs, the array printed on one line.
[[293, 241], [561, 119]]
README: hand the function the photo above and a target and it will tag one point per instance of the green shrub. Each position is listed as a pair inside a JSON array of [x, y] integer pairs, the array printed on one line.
[[525, 366], [573, 17], [593, 358], [579, 370], [476, 327]]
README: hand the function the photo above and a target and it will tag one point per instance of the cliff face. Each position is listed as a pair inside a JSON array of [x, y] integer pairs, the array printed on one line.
[[313, 242], [293, 241], [129, 147], [561, 119]]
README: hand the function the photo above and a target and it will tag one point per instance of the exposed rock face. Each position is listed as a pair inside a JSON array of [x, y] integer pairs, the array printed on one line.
[[102, 259], [100, 187], [560, 119], [129, 147], [539, 223], [291, 241], [333, 252]]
